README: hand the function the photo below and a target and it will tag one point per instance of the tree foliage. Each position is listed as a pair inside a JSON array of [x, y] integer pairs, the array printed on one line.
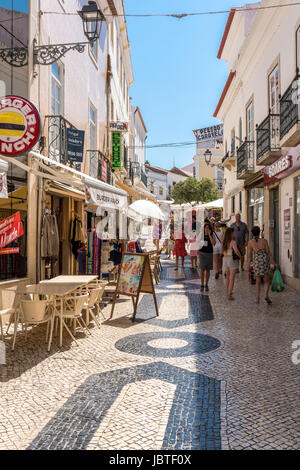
[[191, 190]]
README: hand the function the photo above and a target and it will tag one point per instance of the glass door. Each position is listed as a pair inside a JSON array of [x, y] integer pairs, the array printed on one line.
[[276, 224], [297, 227]]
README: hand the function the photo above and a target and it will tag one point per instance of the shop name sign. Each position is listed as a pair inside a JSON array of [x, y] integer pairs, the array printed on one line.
[[279, 166], [105, 199], [116, 149], [118, 126], [10, 229], [75, 145], [20, 125], [283, 167], [209, 133]]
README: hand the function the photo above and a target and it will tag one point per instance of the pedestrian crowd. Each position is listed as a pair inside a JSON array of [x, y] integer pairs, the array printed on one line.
[[224, 249]]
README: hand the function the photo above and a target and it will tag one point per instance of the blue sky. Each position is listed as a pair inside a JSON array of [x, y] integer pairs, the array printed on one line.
[[21, 5], [178, 78]]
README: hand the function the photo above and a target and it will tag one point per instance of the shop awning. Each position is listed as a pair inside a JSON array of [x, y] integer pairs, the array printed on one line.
[[62, 190]]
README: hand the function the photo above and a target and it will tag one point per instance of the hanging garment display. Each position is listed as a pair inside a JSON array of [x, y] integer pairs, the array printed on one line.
[[77, 238], [50, 237]]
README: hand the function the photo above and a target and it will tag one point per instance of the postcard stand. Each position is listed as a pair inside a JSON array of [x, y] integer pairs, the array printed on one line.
[[144, 278]]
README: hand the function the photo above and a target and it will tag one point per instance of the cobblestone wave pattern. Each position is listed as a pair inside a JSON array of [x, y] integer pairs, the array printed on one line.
[[194, 420], [139, 344], [200, 309]]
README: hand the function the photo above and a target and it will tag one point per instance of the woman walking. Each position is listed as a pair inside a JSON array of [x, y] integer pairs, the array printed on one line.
[[262, 259], [230, 260], [180, 251], [218, 250], [206, 256]]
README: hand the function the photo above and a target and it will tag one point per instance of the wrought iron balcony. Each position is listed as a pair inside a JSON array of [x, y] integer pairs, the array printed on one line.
[[245, 159], [290, 114], [57, 137], [268, 140], [100, 166], [229, 160]]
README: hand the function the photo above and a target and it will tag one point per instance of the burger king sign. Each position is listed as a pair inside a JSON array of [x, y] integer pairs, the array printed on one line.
[[20, 125]]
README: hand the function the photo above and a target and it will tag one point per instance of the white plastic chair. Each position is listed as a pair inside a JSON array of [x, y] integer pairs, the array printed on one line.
[[33, 313], [8, 309], [94, 298], [72, 310]]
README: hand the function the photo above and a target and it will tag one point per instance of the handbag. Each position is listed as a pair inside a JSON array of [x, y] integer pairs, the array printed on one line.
[[277, 283], [235, 257]]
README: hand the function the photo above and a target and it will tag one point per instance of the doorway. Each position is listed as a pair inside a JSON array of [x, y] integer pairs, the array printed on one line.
[[297, 227], [276, 223]]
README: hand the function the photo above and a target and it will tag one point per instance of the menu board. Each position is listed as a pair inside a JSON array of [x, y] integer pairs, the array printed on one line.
[[135, 277], [130, 274]]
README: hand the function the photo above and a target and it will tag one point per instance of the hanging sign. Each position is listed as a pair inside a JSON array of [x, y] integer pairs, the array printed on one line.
[[116, 149], [118, 126], [75, 145], [135, 277], [106, 199], [10, 229], [20, 125], [3, 186]]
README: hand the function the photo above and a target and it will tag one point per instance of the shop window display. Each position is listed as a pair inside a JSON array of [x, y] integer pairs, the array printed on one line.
[[13, 203]]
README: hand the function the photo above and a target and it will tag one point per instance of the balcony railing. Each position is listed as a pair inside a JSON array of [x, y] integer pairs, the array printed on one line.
[[289, 107], [57, 137], [245, 159], [268, 136], [100, 166], [225, 157]]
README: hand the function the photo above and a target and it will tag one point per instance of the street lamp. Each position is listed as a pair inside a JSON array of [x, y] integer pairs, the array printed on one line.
[[207, 156], [92, 18]]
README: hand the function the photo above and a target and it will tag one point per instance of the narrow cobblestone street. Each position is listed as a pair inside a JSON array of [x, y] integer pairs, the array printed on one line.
[[206, 374]]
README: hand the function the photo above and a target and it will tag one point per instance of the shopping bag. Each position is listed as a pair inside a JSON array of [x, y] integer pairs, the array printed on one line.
[[277, 283]]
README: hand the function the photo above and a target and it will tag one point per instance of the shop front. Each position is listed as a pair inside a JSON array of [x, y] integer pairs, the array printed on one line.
[[282, 183], [13, 222], [254, 187]]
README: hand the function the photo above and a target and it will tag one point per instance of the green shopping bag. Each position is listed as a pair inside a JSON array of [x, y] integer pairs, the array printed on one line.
[[277, 283]]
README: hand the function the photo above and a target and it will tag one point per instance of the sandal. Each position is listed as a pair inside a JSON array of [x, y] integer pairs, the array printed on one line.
[[201, 288], [268, 300], [206, 288]]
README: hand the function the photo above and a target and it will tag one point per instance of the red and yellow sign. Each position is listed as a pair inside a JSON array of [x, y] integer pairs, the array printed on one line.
[[20, 125], [10, 229], [9, 251]]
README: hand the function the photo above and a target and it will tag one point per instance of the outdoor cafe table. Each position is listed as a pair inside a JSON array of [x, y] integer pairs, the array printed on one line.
[[70, 279], [56, 289]]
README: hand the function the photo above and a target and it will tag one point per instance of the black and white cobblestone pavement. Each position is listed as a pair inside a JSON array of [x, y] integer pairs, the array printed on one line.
[[206, 374]]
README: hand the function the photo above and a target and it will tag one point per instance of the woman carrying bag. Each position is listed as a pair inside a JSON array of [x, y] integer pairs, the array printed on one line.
[[262, 259]]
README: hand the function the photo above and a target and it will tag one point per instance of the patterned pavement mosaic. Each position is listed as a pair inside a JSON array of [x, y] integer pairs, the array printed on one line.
[[206, 374]]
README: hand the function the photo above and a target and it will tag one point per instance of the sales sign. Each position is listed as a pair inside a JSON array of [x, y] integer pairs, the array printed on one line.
[[20, 125], [75, 145], [118, 126], [10, 229], [116, 149]]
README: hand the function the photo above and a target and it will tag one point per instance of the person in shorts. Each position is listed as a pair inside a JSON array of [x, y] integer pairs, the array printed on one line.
[[241, 234]]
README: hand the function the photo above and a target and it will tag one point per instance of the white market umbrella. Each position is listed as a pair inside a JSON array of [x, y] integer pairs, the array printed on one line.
[[147, 209]]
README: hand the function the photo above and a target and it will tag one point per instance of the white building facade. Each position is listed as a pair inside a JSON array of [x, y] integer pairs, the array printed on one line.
[[261, 130]]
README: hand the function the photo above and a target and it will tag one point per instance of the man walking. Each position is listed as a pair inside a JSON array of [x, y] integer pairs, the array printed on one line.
[[241, 233]]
